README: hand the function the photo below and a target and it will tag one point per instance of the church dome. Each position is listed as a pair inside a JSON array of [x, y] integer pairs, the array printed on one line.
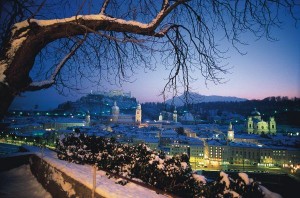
[[188, 117], [115, 107]]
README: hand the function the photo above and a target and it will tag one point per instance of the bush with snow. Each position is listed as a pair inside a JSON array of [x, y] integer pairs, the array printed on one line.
[[170, 174]]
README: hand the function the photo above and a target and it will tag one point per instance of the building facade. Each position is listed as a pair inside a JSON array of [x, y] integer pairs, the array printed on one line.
[[255, 124]]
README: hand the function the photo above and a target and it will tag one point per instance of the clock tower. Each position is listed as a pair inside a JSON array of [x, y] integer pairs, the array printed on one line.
[[138, 114]]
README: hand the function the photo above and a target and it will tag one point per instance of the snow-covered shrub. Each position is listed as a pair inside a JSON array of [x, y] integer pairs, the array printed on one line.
[[171, 174]]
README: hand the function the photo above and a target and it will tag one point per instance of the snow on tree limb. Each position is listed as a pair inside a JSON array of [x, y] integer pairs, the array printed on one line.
[[98, 21], [3, 66], [50, 30], [189, 31], [53, 29], [14, 46]]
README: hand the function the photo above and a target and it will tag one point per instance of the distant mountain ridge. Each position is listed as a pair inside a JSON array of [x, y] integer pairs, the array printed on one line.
[[194, 98]]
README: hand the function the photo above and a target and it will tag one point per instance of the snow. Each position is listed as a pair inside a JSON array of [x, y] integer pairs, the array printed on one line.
[[225, 178], [113, 187], [199, 178], [183, 165], [83, 173], [245, 178], [3, 67], [95, 17], [233, 193], [66, 186], [160, 166], [19, 182], [15, 45]]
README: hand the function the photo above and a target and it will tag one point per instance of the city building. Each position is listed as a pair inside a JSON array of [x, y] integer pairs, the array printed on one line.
[[63, 123], [255, 124], [127, 119], [112, 93]]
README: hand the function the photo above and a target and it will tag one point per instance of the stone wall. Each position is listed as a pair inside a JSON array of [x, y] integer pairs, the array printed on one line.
[[56, 182]]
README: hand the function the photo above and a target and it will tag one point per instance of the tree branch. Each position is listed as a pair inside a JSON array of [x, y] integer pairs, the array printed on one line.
[[104, 6], [102, 22], [49, 82]]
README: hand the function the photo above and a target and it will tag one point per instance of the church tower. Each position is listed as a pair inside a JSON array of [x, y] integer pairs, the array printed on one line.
[[87, 119], [272, 125], [175, 115], [115, 112], [249, 127], [138, 114], [230, 133], [160, 117]]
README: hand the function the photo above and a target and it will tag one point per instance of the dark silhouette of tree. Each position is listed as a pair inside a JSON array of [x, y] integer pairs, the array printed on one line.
[[61, 43]]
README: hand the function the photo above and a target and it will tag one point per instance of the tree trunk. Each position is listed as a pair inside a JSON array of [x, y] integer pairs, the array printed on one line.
[[6, 98]]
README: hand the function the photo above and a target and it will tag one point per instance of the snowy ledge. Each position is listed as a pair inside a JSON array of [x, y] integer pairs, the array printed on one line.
[[105, 186]]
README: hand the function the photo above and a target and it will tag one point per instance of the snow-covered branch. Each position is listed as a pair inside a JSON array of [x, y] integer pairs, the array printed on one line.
[[165, 10], [103, 22], [27, 35]]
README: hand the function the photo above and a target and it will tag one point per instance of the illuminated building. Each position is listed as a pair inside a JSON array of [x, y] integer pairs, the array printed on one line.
[[255, 124]]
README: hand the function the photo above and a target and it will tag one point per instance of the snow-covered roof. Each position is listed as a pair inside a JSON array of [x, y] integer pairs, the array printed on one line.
[[214, 142]]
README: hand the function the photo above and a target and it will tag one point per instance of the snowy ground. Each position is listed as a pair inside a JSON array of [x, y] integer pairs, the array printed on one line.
[[19, 182]]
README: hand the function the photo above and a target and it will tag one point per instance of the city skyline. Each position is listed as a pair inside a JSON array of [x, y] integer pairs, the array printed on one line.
[[269, 68], [108, 98]]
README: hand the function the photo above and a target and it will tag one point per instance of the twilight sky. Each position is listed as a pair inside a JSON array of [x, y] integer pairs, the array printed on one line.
[[268, 69]]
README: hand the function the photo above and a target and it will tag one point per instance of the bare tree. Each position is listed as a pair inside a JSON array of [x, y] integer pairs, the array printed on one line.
[[61, 43]]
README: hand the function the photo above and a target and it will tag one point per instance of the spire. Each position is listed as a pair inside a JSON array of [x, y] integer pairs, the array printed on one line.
[[138, 114], [230, 133], [175, 115], [87, 118], [230, 127]]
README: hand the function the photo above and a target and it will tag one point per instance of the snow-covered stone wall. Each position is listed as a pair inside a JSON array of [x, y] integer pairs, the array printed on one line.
[[56, 182]]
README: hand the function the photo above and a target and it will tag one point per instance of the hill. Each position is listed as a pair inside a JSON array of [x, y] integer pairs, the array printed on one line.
[[193, 98], [99, 104]]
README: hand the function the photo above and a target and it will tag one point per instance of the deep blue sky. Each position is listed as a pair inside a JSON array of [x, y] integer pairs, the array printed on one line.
[[268, 69]]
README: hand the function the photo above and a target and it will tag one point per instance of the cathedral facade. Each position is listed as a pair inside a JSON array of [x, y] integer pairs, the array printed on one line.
[[256, 125], [118, 118]]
